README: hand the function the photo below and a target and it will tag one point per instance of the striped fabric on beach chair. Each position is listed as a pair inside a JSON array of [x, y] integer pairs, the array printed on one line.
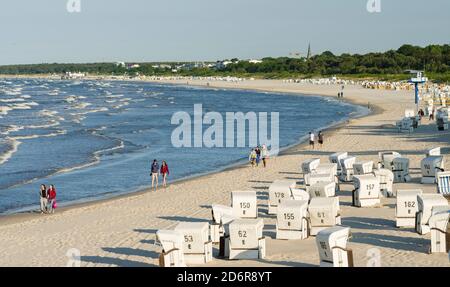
[[444, 183]]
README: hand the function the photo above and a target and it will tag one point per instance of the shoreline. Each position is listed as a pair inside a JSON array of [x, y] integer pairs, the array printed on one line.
[[24, 214]]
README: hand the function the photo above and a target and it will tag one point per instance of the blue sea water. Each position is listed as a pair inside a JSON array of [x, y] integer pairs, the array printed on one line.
[[95, 139]]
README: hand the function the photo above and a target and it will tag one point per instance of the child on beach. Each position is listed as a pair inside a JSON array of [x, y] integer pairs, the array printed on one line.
[[164, 172], [252, 157], [51, 194], [43, 198], [264, 155], [155, 174]]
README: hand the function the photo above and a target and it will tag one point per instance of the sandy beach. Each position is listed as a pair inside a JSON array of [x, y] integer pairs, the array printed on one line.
[[121, 231]]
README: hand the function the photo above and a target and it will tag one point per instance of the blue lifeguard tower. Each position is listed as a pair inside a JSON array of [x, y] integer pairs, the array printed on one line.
[[418, 80]]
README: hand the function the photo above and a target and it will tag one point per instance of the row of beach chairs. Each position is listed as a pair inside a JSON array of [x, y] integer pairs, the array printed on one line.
[[314, 211]]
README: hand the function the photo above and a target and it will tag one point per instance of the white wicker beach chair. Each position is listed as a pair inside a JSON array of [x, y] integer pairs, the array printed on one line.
[[292, 220], [279, 190], [443, 179], [172, 248], [363, 167], [386, 159], [244, 204], [426, 202], [347, 169], [322, 189], [367, 191], [336, 158], [246, 239], [323, 213], [332, 246], [440, 237], [430, 167], [401, 169], [386, 179], [407, 207], [197, 247], [216, 226]]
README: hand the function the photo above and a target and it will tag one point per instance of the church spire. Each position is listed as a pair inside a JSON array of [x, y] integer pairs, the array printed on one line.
[[309, 51]]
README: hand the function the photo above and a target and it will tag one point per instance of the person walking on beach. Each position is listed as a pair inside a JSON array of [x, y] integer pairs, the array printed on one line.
[[264, 155], [155, 174], [252, 157], [320, 138], [164, 172], [258, 155], [311, 139], [51, 195], [43, 198]]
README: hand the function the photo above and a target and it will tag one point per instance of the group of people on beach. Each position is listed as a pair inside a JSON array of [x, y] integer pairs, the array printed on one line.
[[258, 154], [312, 139], [156, 171], [48, 199]]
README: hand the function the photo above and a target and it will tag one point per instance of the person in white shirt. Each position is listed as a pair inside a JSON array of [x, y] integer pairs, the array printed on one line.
[[311, 139]]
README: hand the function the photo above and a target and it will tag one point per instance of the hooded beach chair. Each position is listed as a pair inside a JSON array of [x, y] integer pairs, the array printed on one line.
[[407, 207], [336, 158], [426, 202], [332, 246], [292, 220], [172, 248], [386, 179], [433, 152], [308, 167], [322, 189], [363, 167], [279, 190], [246, 239], [197, 247], [347, 169], [367, 191], [443, 179], [430, 167], [300, 194], [216, 226], [440, 236], [323, 212], [386, 159], [401, 169], [244, 204]]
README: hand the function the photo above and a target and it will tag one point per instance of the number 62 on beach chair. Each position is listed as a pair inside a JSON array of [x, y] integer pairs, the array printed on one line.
[[246, 239]]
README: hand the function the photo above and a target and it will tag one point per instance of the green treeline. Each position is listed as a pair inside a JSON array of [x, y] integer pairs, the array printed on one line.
[[393, 64]]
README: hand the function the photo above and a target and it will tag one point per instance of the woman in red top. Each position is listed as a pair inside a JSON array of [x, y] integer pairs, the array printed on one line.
[[165, 172], [51, 193]]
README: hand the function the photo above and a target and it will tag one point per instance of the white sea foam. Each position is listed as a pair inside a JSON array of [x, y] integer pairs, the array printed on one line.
[[82, 105], [4, 110], [12, 100], [9, 153]]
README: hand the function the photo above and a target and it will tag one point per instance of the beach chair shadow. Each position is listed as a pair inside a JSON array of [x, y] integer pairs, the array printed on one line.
[[393, 242], [150, 231], [369, 223], [115, 261], [182, 218]]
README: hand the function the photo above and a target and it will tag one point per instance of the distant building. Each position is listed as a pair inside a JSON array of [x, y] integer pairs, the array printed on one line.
[[72, 76], [255, 61], [309, 55], [120, 64]]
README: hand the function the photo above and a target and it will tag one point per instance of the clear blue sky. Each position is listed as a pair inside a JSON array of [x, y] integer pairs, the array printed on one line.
[[40, 31]]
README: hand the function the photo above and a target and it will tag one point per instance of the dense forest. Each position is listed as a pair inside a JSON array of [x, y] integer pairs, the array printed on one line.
[[433, 59]]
